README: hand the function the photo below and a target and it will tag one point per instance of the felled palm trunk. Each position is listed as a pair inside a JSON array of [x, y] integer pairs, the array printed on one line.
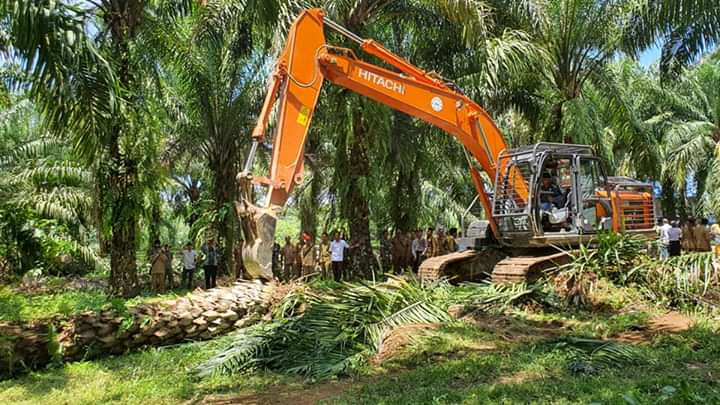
[[198, 316]]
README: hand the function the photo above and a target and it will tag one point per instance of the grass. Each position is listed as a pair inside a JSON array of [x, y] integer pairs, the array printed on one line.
[[461, 363], [514, 357], [158, 376], [15, 306], [450, 369]]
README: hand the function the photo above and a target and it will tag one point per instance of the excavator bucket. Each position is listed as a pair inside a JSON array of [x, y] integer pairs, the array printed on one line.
[[258, 253], [258, 227]]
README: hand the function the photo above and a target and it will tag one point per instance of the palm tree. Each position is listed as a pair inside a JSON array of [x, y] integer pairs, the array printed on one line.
[[45, 196], [575, 42], [688, 118], [215, 64], [90, 88], [685, 29], [669, 133]]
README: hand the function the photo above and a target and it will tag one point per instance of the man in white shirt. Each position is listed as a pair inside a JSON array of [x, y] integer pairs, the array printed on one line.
[[674, 237], [337, 256], [418, 248], [664, 231], [189, 259]]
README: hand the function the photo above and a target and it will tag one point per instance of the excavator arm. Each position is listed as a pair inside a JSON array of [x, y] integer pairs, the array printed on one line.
[[306, 61]]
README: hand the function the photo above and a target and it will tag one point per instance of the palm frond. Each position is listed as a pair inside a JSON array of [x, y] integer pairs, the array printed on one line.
[[691, 279], [333, 334], [590, 355]]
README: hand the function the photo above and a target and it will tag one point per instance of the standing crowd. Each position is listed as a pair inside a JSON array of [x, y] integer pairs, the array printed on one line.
[[404, 251], [690, 236], [160, 258]]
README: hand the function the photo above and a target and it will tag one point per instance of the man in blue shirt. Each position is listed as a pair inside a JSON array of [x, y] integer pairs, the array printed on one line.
[[550, 193]]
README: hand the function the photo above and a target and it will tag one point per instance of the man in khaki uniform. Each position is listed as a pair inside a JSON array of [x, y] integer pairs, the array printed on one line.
[[715, 238], [407, 250], [452, 245], [298, 258], [158, 262], [289, 253], [308, 255], [440, 243], [702, 237], [430, 243], [688, 233], [325, 255]]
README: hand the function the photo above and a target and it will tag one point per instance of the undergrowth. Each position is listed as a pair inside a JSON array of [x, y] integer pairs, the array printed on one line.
[[320, 333]]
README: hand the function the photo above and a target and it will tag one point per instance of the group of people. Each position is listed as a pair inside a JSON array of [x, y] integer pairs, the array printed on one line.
[[330, 257], [690, 236], [304, 258], [407, 250], [161, 265]]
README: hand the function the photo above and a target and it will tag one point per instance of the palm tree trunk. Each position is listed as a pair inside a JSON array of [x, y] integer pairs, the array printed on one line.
[[308, 200], [225, 193], [308, 204], [556, 125], [123, 178], [668, 200], [358, 207], [403, 212], [123, 266], [155, 221]]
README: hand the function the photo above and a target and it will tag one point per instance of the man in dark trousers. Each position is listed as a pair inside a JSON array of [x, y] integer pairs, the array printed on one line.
[[337, 255], [211, 254]]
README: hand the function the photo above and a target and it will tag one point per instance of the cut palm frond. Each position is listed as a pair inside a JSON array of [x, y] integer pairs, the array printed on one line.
[[691, 279], [333, 334], [590, 355]]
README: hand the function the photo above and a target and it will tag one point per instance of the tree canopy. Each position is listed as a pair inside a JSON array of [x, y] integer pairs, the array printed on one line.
[[125, 121]]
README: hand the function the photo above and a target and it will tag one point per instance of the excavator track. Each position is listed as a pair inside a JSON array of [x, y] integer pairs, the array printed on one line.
[[472, 265], [433, 268], [525, 269]]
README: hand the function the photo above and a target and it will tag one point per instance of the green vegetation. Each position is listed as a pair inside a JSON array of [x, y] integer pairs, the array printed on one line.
[[119, 129], [327, 333], [461, 365], [16, 306], [126, 121], [129, 379], [515, 358]]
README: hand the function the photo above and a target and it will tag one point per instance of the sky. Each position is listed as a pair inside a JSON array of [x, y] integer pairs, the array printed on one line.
[[650, 56]]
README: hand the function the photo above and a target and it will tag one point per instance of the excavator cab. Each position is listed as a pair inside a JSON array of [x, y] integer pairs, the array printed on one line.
[[558, 194]]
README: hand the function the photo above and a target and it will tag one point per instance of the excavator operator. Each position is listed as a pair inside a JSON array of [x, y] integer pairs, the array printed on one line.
[[550, 194]]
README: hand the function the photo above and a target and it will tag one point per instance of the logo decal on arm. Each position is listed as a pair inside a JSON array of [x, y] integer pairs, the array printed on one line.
[[437, 104], [303, 116], [378, 80]]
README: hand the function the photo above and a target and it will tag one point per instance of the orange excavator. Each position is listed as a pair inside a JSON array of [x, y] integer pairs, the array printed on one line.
[[542, 195]]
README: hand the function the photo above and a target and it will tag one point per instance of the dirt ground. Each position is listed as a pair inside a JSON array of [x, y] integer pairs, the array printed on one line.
[[671, 322]]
